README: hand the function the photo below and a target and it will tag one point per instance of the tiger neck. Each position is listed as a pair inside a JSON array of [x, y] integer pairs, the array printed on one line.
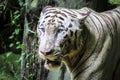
[[78, 63]]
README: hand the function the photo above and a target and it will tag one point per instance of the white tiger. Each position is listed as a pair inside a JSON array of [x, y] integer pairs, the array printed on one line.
[[87, 42]]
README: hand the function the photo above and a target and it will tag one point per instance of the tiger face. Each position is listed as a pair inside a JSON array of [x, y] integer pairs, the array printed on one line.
[[57, 32]]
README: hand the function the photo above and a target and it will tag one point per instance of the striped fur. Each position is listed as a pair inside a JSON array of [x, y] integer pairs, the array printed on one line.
[[87, 42]]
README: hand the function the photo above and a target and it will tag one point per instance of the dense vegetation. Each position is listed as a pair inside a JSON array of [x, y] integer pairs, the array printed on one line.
[[12, 15]]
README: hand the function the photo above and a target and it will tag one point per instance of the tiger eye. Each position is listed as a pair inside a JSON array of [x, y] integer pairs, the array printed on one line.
[[42, 29], [60, 30]]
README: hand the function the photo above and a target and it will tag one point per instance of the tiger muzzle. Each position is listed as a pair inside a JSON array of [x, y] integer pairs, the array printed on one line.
[[46, 53]]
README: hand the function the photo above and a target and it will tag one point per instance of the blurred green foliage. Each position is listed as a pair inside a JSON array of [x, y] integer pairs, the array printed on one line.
[[11, 32], [115, 2], [10, 66]]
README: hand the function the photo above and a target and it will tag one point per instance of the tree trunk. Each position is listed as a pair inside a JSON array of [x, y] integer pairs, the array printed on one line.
[[31, 66]]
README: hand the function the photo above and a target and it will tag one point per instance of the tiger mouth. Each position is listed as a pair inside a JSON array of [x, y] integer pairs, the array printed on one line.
[[51, 64], [55, 62]]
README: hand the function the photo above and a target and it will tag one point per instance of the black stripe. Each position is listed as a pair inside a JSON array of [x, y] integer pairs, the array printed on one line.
[[107, 23], [115, 24], [61, 18], [98, 18], [49, 12], [67, 12], [71, 14], [81, 13], [108, 27], [76, 34], [62, 26], [60, 22], [63, 14], [47, 16], [75, 41], [72, 11], [71, 33], [80, 55], [111, 21], [118, 15], [81, 71], [93, 21]]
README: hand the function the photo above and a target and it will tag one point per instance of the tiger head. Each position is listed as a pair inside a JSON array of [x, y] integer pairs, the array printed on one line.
[[59, 32]]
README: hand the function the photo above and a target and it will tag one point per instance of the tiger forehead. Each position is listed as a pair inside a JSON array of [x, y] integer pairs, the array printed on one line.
[[54, 24], [57, 19], [54, 21], [56, 12], [53, 15]]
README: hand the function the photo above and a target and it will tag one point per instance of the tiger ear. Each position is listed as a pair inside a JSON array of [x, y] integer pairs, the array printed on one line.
[[82, 20], [44, 10]]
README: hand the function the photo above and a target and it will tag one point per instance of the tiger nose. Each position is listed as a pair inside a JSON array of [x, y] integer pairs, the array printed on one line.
[[46, 53]]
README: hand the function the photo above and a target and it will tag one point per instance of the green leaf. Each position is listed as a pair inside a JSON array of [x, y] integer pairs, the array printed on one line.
[[19, 59], [18, 42], [20, 2], [11, 45], [13, 22], [18, 47], [17, 31], [21, 46], [16, 12], [16, 16], [8, 54], [32, 31], [11, 37]]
